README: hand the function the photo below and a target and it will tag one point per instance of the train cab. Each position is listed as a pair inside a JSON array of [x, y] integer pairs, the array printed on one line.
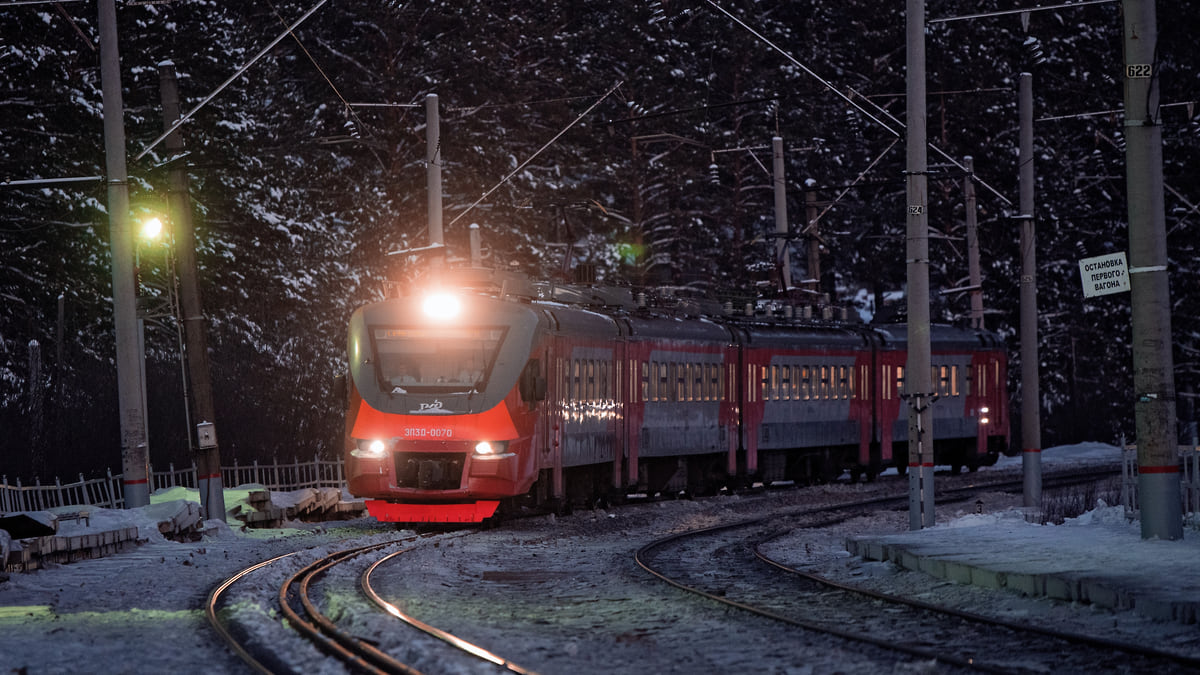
[[439, 412]]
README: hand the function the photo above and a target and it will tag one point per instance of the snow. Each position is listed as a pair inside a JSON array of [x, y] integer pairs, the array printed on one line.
[[141, 610]]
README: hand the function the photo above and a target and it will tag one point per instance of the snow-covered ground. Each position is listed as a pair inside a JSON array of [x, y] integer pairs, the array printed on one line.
[[141, 611]]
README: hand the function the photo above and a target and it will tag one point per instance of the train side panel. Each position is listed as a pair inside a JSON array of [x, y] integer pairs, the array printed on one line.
[[965, 363], [807, 408], [679, 418]]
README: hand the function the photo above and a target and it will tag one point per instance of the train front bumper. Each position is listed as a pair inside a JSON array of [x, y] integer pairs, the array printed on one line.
[[469, 512]]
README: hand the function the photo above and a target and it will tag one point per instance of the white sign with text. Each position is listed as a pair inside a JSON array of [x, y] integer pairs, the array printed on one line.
[[1104, 274]]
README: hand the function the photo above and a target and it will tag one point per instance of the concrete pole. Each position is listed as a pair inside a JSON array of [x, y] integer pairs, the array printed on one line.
[[1031, 396], [208, 454], [433, 173], [476, 246], [782, 252], [135, 452], [814, 239], [1150, 293], [917, 373], [974, 275]]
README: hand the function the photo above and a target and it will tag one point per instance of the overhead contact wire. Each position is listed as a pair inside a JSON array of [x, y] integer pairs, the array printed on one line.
[[539, 151], [238, 73], [355, 119]]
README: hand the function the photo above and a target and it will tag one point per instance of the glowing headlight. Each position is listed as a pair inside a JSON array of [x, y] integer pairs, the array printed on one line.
[[984, 410], [370, 449], [490, 448], [441, 306], [983, 420]]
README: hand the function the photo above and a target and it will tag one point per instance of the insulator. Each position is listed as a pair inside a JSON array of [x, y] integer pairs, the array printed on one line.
[[1033, 50]]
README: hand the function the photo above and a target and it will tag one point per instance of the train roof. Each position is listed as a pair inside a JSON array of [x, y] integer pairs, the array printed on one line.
[[604, 312], [941, 337], [804, 334]]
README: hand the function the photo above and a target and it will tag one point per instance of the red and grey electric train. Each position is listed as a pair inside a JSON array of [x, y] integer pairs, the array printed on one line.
[[498, 391]]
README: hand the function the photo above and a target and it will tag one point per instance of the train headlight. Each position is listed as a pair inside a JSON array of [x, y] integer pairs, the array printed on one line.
[[983, 418], [370, 449], [491, 448], [441, 306]]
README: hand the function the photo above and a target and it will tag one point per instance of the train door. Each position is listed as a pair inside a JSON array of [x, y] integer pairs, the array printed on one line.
[[636, 357], [869, 451], [727, 418], [550, 422], [733, 409], [750, 399], [622, 392]]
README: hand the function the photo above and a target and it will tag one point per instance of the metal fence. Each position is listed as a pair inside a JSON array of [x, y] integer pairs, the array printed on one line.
[[317, 473], [1189, 459], [107, 492]]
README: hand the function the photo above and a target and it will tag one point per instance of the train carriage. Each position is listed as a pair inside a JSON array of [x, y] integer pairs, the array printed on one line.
[[681, 406], [583, 449], [807, 409], [969, 396], [496, 391]]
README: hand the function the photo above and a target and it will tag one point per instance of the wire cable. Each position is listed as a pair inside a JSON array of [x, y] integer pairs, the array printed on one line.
[[354, 118], [938, 150], [805, 68], [539, 151], [848, 100], [813, 223], [207, 99]]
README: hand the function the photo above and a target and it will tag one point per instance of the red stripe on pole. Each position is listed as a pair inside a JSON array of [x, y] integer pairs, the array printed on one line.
[[137, 482], [1032, 450], [210, 476], [914, 465], [1158, 469]]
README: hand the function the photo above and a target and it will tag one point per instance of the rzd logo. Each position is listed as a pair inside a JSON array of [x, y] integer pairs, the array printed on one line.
[[435, 407]]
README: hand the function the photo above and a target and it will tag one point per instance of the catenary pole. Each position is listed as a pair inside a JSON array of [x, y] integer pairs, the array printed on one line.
[[813, 230], [208, 455], [917, 374], [433, 172], [1150, 296], [974, 275], [1031, 397], [135, 453], [782, 245]]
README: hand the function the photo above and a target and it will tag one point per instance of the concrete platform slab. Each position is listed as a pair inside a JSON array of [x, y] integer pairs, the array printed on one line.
[[1108, 567]]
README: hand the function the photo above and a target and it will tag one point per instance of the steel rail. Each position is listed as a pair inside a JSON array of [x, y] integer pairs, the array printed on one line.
[[1066, 636], [221, 628], [451, 639], [642, 555], [356, 653]]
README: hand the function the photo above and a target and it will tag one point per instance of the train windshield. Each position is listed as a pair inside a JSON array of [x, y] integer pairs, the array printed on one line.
[[446, 359]]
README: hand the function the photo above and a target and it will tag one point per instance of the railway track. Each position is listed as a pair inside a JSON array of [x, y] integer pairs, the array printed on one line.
[[498, 588], [364, 642], [724, 564]]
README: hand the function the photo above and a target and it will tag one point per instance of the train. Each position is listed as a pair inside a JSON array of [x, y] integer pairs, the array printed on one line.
[[479, 393]]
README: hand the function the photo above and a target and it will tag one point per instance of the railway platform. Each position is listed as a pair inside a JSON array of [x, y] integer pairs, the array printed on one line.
[[1103, 563]]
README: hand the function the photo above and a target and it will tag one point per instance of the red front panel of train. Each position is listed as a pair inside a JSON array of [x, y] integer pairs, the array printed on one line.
[[432, 465]]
